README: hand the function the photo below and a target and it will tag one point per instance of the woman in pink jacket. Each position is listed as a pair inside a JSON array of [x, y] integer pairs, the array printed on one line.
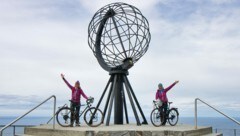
[[161, 95], [76, 99]]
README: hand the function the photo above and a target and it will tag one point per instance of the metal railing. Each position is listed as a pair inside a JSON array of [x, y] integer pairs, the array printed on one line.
[[17, 126], [196, 121], [227, 131], [65, 105], [54, 110]]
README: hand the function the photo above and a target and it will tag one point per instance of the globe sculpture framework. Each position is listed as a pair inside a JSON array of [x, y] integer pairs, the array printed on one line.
[[119, 36]]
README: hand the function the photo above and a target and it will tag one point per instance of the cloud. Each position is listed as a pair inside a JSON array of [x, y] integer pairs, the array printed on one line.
[[9, 101], [143, 5]]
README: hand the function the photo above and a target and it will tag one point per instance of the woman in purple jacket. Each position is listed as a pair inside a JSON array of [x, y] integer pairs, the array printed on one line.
[[161, 95], [76, 99]]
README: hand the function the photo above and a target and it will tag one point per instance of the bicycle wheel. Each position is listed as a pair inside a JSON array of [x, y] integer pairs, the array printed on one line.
[[173, 117], [96, 119], [156, 117], [64, 117]]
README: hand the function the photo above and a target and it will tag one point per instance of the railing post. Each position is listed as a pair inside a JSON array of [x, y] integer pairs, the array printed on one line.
[[54, 110], [20, 117], [56, 113], [14, 131], [216, 130], [196, 123], [196, 113], [235, 132]]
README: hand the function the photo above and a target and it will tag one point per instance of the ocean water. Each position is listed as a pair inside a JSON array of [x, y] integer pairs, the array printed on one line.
[[221, 124], [23, 121]]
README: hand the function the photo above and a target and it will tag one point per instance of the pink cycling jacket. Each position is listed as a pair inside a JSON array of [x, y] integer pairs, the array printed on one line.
[[162, 94], [76, 93]]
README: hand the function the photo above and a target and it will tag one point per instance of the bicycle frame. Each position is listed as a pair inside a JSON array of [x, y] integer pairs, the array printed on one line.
[[158, 110], [156, 105], [86, 108], [168, 107]]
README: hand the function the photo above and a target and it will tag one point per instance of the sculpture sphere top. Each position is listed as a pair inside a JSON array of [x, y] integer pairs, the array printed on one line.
[[118, 35]]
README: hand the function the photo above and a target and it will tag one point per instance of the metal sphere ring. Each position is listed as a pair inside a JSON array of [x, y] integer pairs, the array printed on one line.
[[118, 35]]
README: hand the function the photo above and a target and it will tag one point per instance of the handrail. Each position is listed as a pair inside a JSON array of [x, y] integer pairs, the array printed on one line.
[[65, 105], [56, 113], [19, 126], [223, 129], [54, 109], [197, 99]]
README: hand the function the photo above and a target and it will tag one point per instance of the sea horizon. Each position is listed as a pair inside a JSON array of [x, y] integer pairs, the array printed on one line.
[[189, 120], [219, 124]]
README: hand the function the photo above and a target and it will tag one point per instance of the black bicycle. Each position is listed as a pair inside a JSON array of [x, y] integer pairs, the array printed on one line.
[[158, 117], [63, 115]]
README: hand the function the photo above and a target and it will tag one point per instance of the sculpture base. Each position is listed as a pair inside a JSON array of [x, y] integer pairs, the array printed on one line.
[[117, 130], [118, 85]]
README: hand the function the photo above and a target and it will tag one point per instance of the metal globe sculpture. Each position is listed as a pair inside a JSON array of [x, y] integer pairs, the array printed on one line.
[[119, 36]]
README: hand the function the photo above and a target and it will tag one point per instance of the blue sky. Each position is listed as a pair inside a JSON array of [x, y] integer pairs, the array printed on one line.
[[196, 42]]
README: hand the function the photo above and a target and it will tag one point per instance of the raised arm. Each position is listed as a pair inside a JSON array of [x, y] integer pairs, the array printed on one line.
[[70, 86], [171, 86], [83, 94]]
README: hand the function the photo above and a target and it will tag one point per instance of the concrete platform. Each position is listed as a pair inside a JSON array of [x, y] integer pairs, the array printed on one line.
[[119, 130]]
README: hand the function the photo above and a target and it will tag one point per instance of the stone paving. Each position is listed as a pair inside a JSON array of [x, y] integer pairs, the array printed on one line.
[[119, 130]]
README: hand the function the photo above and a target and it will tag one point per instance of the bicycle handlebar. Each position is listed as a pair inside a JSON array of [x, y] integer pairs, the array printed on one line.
[[154, 101], [90, 100]]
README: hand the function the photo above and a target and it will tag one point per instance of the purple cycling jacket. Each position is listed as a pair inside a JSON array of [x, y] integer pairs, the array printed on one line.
[[162, 94], [76, 93]]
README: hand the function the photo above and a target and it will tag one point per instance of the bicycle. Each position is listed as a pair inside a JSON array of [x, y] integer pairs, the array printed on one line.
[[158, 117], [64, 115]]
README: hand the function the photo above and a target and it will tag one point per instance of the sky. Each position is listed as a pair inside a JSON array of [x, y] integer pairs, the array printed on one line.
[[195, 42]]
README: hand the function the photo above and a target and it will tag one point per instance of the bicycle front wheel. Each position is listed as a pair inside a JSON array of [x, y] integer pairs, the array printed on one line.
[[156, 117], [93, 120], [173, 117], [64, 117]]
